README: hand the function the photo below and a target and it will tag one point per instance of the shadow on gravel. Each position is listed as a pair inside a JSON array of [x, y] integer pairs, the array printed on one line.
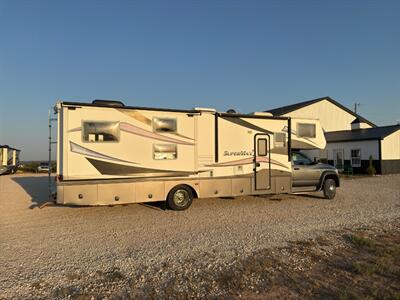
[[159, 205], [36, 187], [311, 196]]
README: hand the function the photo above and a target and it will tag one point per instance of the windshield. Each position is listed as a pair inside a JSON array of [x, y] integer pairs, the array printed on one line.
[[300, 159]]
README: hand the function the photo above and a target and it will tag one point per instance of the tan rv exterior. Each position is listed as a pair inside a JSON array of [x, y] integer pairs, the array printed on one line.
[[113, 155]]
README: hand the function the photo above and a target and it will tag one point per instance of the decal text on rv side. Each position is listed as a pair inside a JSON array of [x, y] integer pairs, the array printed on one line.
[[239, 153]]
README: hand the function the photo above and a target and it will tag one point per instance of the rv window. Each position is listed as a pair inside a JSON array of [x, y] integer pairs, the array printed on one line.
[[164, 151], [164, 125], [262, 147], [306, 130], [100, 131], [279, 140]]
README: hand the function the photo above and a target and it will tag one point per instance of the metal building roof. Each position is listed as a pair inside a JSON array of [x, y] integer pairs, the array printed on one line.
[[289, 108], [374, 133]]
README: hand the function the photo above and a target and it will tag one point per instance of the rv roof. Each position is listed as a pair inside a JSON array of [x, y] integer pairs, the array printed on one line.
[[205, 109], [100, 104]]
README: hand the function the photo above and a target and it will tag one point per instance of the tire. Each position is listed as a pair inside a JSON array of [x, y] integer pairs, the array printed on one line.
[[329, 188], [180, 198]]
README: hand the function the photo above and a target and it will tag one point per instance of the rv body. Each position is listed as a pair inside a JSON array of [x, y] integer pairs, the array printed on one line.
[[9, 160], [116, 154]]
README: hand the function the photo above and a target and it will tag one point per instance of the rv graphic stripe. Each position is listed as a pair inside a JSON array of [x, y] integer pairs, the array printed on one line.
[[246, 161], [108, 168], [246, 124], [85, 151], [149, 134], [145, 120]]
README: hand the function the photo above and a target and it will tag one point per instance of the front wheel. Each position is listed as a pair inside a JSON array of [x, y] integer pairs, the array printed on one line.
[[329, 188], [180, 197]]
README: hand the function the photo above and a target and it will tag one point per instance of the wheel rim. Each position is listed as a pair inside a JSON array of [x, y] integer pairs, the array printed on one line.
[[181, 197], [331, 187]]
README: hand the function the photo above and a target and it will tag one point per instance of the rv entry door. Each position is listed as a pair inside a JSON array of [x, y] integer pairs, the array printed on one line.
[[262, 165]]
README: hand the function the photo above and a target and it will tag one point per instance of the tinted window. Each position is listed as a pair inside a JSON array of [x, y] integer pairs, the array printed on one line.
[[300, 159], [164, 151], [164, 125], [262, 147], [100, 131], [279, 140], [306, 130]]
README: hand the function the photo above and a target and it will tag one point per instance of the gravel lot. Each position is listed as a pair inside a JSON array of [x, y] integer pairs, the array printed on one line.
[[141, 250]]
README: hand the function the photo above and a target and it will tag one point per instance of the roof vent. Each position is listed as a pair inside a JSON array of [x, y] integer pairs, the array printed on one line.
[[231, 111], [113, 103]]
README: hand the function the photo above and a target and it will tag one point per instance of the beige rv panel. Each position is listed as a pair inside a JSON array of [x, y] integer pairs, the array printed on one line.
[[5, 156], [299, 141], [81, 194], [241, 186], [118, 192], [150, 191], [215, 187], [137, 136]]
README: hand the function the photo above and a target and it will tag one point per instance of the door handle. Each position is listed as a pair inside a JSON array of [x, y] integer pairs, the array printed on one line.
[[297, 168]]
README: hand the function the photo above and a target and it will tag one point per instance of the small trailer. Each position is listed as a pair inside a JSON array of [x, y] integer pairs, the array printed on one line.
[[9, 159], [109, 153]]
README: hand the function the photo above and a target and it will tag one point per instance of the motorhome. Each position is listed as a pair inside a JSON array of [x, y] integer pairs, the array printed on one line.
[[109, 153], [9, 159]]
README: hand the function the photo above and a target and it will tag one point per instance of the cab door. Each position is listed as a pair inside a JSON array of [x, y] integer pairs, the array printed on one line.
[[261, 162]]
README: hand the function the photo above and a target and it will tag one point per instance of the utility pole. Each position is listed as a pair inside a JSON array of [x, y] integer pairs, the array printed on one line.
[[355, 106]]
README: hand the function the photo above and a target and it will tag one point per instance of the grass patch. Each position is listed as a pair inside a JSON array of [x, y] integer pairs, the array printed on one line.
[[360, 241]]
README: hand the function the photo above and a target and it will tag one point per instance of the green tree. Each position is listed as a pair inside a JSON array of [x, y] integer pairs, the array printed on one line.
[[371, 169]]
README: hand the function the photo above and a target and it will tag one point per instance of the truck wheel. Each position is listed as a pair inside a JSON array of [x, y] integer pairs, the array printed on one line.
[[329, 188], [180, 197]]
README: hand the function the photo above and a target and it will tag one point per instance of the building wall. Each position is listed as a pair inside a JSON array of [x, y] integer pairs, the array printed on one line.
[[391, 146], [367, 148], [332, 117], [391, 153]]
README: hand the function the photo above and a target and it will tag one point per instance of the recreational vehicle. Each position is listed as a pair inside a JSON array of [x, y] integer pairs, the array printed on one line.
[[109, 153], [9, 160]]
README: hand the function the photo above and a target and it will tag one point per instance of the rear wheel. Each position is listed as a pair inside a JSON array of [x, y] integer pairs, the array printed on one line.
[[180, 197], [329, 188]]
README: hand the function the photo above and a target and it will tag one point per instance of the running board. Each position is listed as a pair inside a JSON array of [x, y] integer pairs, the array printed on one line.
[[300, 189]]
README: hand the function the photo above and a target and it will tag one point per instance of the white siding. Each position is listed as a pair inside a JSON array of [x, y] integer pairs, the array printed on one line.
[[332, 117], [367, 148], [391, 146]]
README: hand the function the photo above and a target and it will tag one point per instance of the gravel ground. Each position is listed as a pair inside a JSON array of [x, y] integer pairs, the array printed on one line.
[[141, 250]]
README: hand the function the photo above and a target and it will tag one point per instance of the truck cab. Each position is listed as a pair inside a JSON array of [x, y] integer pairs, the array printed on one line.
[[309, 175]]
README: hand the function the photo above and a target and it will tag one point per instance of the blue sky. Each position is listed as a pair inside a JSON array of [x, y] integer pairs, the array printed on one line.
[[247, 55]]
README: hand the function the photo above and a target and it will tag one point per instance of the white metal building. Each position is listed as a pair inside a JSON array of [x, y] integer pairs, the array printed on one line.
[[351, 139]]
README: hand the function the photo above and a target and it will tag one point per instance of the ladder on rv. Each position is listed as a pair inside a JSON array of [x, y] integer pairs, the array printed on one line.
[[51, 142]]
